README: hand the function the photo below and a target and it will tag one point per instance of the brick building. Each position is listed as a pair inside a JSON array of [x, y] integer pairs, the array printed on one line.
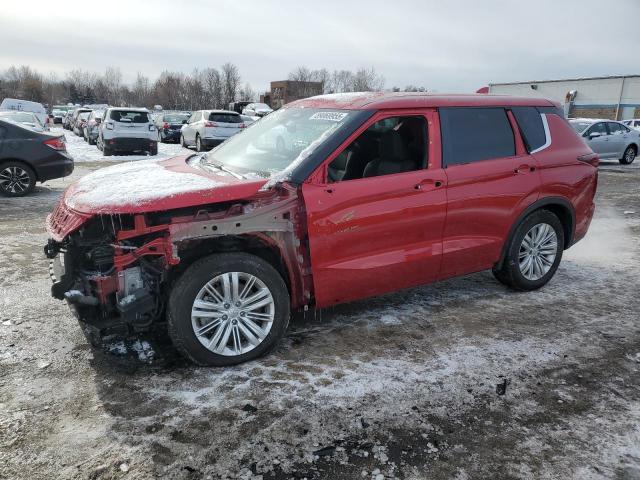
[[285, 91], [614, 97]]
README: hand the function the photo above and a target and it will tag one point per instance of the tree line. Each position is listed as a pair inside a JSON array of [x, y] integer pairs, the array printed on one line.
[[202, 88]]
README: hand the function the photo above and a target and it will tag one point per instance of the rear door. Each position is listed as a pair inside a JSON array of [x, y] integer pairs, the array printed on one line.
[[601, 144], [378, 229], [618, 138], [490, 179]]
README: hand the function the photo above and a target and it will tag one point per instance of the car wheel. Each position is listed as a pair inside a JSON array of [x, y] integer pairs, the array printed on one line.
[[227, 308], [534, 252], [90, 141], [154, 149], [198, 144], [16, 179], [182, 142], [106, 151], [628, 156]]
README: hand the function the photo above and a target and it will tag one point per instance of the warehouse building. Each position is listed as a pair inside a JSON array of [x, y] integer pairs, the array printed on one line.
[[614, 97]]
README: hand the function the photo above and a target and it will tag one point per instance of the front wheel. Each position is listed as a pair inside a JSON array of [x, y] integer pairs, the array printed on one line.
[[227, 308], [182, 142], [534, 252], [628, 156], [199, 144]]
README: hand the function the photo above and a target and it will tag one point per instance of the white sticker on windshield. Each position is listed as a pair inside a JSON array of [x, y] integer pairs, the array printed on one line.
[[331, 116]]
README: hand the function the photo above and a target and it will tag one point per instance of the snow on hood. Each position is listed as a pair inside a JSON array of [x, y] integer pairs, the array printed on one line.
[[168, 183]]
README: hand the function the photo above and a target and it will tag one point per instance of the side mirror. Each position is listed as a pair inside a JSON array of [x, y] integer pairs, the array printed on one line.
[[593, 135]]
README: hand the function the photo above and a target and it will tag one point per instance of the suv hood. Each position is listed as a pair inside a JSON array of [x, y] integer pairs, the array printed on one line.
[[154, 185]]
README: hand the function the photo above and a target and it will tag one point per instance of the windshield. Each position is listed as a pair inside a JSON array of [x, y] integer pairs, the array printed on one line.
[[279, 140], [580, 127], [129, 116], [176, 117], [261, 105], [20, 117], [83, 115]]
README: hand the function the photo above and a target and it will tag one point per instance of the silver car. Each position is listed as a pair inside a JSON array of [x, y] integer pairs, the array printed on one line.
[[206, 129], [609, 139]]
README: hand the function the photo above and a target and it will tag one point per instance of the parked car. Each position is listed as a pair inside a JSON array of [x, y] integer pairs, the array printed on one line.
[[57, 115], [206, 129], [28, 119], [90, 130], [238, 106], [381, 192], [257, 110], [127, 130], [74, 117], [632, 123], [80, 122], [26, 106], [169, 124], [247, 120], [66, 120], [28, 156], [609, 139]]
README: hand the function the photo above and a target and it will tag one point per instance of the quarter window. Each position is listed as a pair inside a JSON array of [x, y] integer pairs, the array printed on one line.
[[475, 134], [530, 123]]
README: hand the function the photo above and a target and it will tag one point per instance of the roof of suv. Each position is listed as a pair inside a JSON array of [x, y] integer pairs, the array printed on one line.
[[382, 100]]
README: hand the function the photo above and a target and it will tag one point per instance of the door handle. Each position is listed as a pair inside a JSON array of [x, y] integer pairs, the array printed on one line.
[[524, 169], [435, 183]]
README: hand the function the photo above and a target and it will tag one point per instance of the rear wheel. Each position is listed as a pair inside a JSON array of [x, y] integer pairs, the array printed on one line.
[[16, 179], [182, 142], [534, 252], [106, 151], [154, 149], [198, 144], [629, 155], [227, 308]]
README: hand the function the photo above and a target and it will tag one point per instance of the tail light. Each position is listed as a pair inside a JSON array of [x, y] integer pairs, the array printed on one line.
[[590, 158], [165, 126], [210, 124], [56, 143]]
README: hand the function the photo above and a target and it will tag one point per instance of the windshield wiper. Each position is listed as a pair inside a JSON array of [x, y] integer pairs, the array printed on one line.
[[221, 167]]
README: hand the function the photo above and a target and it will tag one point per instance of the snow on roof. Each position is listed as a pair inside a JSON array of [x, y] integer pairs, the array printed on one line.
[[134, 183]]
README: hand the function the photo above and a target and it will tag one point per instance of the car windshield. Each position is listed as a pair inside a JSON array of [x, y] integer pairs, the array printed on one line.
[[176, 117], [225, 117], [129, 116], [83, 115], [261, 105], [278, 141], [580, 127], [20, 116]]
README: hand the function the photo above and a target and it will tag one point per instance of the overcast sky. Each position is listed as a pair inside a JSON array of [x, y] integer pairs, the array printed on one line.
[[453, 46]]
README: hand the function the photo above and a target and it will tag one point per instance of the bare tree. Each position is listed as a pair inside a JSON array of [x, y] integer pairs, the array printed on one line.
[[212, 86], [247, 94], [367, 80], [230, 83], [113, 81]]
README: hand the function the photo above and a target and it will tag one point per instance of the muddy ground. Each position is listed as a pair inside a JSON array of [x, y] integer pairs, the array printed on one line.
[[404, 386]]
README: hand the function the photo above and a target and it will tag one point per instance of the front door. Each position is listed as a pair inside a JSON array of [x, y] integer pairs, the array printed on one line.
[[600, 144], [376, 215]]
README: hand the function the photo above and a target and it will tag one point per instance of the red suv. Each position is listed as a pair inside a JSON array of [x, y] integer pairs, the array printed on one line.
[[330, 199]]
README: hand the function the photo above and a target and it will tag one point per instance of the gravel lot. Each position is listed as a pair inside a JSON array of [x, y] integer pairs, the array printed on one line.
[[401, 386]]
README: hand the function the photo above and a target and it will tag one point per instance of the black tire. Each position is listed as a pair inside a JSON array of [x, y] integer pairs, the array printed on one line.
[[106, 151], [90, 141], [154, 149], [22, 172], [510, 273], [629, 155], [199, 147], [182, 142], [186, 288]]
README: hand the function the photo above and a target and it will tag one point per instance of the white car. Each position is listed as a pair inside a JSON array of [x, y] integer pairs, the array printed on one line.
[[26, 106], [632, 123], [206, 129], [28, 119], [257, 110], [127, 130]]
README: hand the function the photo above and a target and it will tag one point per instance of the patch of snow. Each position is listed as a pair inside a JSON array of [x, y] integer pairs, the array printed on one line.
[[134, 184]]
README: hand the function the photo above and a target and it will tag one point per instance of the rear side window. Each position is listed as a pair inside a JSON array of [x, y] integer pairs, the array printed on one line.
[[224, 118], [125, 116], [474, 134], [530, 123]]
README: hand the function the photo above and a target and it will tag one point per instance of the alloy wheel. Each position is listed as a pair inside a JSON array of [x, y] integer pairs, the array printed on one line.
[[538, 251], [14, 180], [629, 155], [233, 313]]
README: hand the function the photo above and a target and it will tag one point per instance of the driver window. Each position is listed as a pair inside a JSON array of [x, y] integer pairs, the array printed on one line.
[[389, 146]]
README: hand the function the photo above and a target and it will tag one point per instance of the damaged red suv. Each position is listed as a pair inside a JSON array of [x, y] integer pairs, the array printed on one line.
[[328, 200]]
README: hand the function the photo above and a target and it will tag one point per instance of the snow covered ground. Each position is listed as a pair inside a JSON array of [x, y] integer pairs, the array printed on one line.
[[462, 379]]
